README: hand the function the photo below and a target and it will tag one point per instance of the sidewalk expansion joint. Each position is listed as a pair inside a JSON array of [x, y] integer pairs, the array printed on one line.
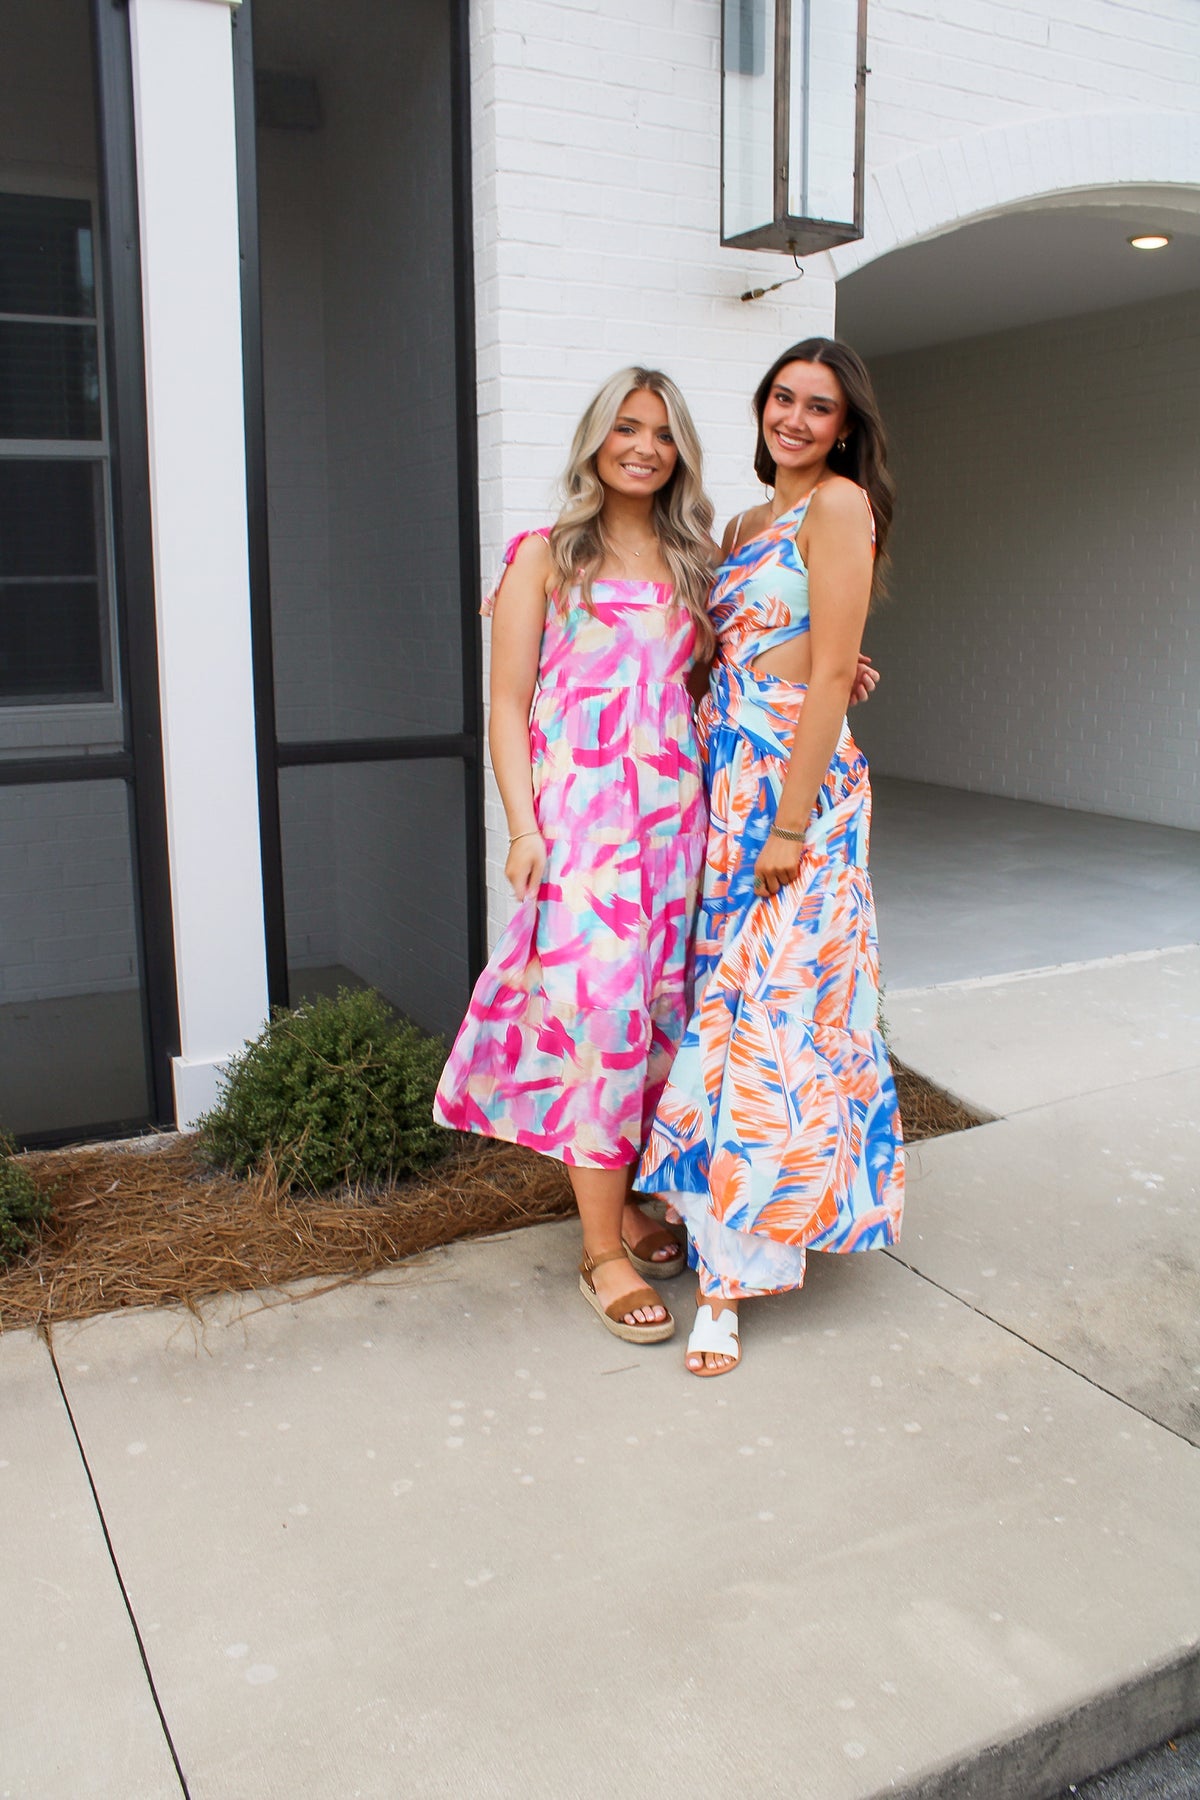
[[116, 1568], [1111, 1087], [1041, 1350]]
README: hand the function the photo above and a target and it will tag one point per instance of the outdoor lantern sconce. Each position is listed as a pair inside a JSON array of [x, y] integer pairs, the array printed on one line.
[[792, 101]]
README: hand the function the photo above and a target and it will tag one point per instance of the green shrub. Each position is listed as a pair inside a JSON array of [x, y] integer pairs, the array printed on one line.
[[24, 1208], [339, 1091]]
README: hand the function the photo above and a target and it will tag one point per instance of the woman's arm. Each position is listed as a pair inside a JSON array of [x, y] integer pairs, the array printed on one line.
[[518, 619], [699, 673], [839, 561]]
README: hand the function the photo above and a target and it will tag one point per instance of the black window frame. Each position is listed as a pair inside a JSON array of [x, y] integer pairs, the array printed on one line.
[[138, 762], [100, 701]]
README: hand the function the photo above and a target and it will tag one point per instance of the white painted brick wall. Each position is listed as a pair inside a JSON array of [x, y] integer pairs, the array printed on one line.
[[1044, 637], [941, 71]]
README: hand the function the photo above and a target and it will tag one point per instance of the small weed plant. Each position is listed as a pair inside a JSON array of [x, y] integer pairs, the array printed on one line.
[[336, 1093], [24, 1207]]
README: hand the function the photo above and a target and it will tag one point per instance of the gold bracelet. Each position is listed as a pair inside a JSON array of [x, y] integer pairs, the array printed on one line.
[[793, 837], [536, 832]]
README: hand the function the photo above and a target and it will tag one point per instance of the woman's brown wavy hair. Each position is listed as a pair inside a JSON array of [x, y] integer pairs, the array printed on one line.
[[864, 459]]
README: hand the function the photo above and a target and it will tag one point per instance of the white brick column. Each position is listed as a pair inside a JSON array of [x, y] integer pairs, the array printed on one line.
[[187, 194]]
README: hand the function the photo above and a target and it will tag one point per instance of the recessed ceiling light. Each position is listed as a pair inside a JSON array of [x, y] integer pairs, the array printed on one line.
[[1150, 240]]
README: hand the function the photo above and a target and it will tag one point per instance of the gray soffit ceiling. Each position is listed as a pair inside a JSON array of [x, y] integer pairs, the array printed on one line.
[[1068, 256]]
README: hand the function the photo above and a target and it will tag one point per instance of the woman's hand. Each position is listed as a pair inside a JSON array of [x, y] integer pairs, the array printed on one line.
[[526, 864], [865, 682], [778, 864]]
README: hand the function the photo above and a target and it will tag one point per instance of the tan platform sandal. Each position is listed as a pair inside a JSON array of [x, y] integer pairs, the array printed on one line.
[[657, 1237], [613, 1317]]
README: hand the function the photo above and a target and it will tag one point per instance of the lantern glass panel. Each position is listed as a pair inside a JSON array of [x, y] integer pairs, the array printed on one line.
[[748, 163], [824, 78]]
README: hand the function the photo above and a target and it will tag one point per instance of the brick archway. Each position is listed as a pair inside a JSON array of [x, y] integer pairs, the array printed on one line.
[[947, 183]]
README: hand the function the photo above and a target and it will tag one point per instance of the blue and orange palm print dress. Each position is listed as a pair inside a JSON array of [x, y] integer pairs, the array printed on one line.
[[573, 1024], [778, 1131]]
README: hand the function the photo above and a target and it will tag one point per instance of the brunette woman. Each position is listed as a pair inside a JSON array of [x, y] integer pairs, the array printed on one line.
[[778, 1132]]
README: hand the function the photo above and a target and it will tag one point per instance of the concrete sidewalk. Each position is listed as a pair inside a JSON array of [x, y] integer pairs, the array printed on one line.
[[437, 1533]]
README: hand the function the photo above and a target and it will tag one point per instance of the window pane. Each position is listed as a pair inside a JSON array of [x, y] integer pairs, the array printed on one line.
[[53, 602], [360, 373], [823, 109], [49, 381], [49, 517], [374, 860], [50, 641], [46, 262], [72, 1054], [748, 150]]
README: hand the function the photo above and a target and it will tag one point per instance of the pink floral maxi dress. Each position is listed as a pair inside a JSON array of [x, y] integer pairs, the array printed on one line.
[[574, 1022]]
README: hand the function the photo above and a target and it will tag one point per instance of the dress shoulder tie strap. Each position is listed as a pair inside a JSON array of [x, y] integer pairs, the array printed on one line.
[[510, 550]]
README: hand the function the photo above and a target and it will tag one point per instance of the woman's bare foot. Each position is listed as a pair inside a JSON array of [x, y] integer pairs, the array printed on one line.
[[634, 1226], [612, 1279], [724, 1314]]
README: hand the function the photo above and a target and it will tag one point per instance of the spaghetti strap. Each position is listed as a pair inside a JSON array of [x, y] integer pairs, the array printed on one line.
[[870, 515]]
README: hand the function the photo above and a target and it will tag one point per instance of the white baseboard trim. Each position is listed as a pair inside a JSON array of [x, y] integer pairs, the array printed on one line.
[[195, 1088]]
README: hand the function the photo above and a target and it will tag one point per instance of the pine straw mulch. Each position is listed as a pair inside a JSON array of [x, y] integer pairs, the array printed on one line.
[[146, 1224], [928, 1111]]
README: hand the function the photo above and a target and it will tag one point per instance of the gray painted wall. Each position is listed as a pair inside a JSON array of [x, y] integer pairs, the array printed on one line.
[[1043, 640]]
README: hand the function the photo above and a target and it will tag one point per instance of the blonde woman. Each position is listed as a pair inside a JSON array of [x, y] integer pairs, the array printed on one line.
[[574, 1022]]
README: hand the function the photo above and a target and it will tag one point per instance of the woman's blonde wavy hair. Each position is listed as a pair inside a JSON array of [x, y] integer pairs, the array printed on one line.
[[683, 513]]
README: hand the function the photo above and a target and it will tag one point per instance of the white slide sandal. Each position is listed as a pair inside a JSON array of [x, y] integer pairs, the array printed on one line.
[[718, 1336]]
